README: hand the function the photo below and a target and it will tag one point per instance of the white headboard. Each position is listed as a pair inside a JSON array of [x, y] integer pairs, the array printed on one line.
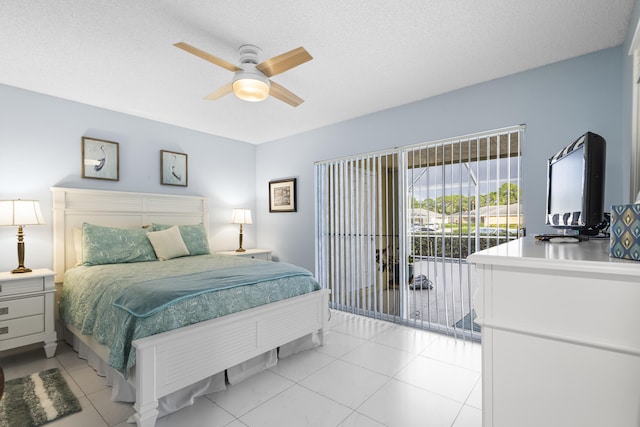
[[73, 206]]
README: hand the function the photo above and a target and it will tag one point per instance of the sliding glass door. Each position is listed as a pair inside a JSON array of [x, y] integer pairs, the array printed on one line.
[[394, 228]]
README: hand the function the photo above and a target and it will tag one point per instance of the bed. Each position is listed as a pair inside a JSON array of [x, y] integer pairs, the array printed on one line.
[[191, 358]]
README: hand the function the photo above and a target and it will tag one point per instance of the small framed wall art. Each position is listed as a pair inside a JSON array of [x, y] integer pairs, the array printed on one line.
[[100, 159], [173, 168], [282, 195]]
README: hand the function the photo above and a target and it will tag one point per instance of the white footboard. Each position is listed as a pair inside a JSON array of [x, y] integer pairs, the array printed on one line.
[[173, 360]]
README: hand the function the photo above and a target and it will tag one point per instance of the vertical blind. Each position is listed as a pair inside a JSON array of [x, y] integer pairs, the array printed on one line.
[[358, 231], [394, 228]]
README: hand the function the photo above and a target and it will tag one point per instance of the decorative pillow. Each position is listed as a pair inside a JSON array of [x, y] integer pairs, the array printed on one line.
[[194, 237], [77, 244], [109, 245], [168, 243]]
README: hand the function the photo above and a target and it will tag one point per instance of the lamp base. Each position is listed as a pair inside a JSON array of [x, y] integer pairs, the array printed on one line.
[[21, 268], [240, 241]]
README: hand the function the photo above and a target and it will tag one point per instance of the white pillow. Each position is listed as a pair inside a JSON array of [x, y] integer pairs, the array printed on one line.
[[168, 243]]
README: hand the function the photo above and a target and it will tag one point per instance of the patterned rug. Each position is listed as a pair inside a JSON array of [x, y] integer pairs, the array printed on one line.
[[36, 399]]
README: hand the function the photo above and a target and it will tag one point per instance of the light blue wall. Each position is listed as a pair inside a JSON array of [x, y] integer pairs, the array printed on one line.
[[40, 147], [557, 103]]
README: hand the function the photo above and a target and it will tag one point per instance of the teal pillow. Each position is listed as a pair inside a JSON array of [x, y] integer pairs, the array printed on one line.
[[110, 245], [194, 237]]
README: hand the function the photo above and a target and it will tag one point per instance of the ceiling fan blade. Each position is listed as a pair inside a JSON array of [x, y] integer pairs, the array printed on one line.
[[207, 56], [284, 95], [286, 61], [220, 92]]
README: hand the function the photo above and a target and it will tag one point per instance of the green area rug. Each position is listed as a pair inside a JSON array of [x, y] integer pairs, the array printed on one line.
[[36, 399]]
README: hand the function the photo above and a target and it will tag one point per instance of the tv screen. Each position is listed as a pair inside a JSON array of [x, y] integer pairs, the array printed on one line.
[[575, 185]]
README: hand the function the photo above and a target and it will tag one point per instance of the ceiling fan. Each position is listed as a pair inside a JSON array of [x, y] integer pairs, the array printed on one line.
[[251, 78]]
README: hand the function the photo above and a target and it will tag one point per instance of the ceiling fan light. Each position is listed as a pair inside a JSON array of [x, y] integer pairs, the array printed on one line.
[[250, 89]]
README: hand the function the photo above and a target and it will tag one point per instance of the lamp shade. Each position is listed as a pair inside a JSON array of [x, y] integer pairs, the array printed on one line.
[[20, 212], [241, 216], [250, 90], [250, 85]]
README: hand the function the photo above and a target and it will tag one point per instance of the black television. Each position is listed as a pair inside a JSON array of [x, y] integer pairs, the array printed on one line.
[[575, 186]]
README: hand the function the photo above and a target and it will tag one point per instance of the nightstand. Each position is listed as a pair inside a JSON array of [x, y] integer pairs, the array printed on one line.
[[263, 254], [26, 310]]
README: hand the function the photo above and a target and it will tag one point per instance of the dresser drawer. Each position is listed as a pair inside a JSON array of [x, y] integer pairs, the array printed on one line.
[[21, 286], [13, 309], [15, 328]]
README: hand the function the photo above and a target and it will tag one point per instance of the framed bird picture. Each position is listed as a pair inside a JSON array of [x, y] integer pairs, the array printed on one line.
[[173, 168], [100, 159]]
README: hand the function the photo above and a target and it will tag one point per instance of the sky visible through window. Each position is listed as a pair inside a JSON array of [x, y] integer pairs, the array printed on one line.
[[456, 179]]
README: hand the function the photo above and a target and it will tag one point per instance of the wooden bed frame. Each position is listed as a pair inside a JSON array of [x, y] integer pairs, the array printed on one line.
[[175, 359]]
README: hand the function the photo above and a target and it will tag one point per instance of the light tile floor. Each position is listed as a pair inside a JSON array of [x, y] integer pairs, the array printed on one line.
[[368, 373]]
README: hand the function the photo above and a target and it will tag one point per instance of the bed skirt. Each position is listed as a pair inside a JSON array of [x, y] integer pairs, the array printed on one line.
[[123, 390]]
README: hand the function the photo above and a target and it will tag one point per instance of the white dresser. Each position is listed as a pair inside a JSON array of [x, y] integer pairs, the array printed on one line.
[[560, 335], [26, 310]]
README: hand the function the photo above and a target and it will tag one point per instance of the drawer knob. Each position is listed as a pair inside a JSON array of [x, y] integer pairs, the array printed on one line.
[[4, 310], [4, 330]]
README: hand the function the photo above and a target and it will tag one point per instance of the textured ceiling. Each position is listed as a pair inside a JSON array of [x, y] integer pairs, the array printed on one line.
[[369, 55]]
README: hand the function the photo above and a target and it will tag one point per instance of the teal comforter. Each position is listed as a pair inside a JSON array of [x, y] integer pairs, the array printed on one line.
[[89, 294]]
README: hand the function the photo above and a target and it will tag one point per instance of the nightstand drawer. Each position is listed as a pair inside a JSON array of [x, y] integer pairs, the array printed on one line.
[[32, 284], [265, 256], [262, 254], [21, 307], [20, 327]]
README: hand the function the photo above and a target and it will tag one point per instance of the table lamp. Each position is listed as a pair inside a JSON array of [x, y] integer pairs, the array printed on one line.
[[241, 216], [20, 213]]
